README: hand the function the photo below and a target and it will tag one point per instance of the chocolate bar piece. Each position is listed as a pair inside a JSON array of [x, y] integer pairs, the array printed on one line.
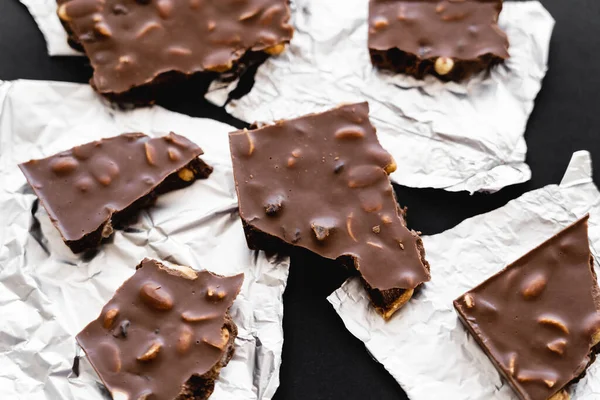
[[134, 44], [538, 319], [321, 182], [449, 39], [92, 188], [165, 334]]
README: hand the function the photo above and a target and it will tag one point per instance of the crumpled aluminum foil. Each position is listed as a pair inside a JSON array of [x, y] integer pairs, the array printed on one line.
[[48, 294], [444, 135], [424, 346]]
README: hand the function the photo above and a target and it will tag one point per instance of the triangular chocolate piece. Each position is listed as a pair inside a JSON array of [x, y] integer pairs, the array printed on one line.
[[321, 182], [538, 319]]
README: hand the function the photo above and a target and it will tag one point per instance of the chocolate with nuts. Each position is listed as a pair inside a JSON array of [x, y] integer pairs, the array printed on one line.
[[538, 320], [449, 39], [165, 334], [321, 182], [134, 43], [94, 187]]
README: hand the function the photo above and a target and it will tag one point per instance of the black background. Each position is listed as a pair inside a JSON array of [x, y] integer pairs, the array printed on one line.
[[321, 359]]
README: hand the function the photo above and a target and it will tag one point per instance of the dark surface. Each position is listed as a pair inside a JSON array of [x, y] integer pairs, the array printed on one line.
[[321, 359]]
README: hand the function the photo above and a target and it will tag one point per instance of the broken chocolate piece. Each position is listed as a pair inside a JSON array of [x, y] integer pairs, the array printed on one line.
[[159, 354], [538, 320], [449, 39], [349, 214], [136, 44], [94, 187]]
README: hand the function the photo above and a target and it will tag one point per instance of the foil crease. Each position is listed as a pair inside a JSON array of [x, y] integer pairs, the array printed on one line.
[[467, 136], [48, 294], [424, 346]]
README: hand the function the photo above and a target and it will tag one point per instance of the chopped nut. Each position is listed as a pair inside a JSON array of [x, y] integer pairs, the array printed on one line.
[[109, 317], [105, 180], [165, 7], [548, 320], [381, 23], [386, 219], [557, 346], [549, 382], [63, 165], [150, 153], [469, 300], [275, 50], [291, 162], [349, 226], [190, 317], [212, 294], [321, 231], [401, 244], [179, 51], [221, 67], [443, 65], [454, 17], [62, 12], [173, 154], [248, 15], [596, 338], [376, 229], [534, 287], [353, 132], [103, 29], [211, 26], [185, 340], [151, 353], [185, 174], [512, 363], [562, 395], [440, 8], [296, 153], [274, 205], [250, 141], [391, 167], [154, 296], [224, 340], [375, 245], [147, 28]]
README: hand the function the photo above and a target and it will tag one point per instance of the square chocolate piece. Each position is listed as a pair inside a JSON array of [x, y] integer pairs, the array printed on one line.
[[321, 182], [136, 44], [449, 39], [165, 334], [93, 188], [538, 320]]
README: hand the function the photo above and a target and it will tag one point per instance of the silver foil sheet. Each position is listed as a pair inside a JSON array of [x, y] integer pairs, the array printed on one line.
[[424, 346], [466, 136], [48, 294]]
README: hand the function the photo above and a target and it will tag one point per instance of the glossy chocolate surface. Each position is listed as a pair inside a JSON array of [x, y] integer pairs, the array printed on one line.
[[162, 327], [131, 42], [84, 187], [537, 318], [320, 182], [425, 30]]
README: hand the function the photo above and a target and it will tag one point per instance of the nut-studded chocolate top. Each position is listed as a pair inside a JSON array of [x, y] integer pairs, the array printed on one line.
[[161, 327], [462, 30], [81, 188], [131, 42], [321, 182], [539, 318]]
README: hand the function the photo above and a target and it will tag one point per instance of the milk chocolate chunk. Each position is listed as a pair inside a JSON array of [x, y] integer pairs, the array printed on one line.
[[449, 39], [135, 44], [321, 182], [148, 350], [93, 188], [538, 320]]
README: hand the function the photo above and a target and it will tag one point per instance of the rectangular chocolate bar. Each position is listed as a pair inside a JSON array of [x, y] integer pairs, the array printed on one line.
[[449, 39], [133, 45], [93, 188], [538, 320], [166, 333], [321, 182]]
